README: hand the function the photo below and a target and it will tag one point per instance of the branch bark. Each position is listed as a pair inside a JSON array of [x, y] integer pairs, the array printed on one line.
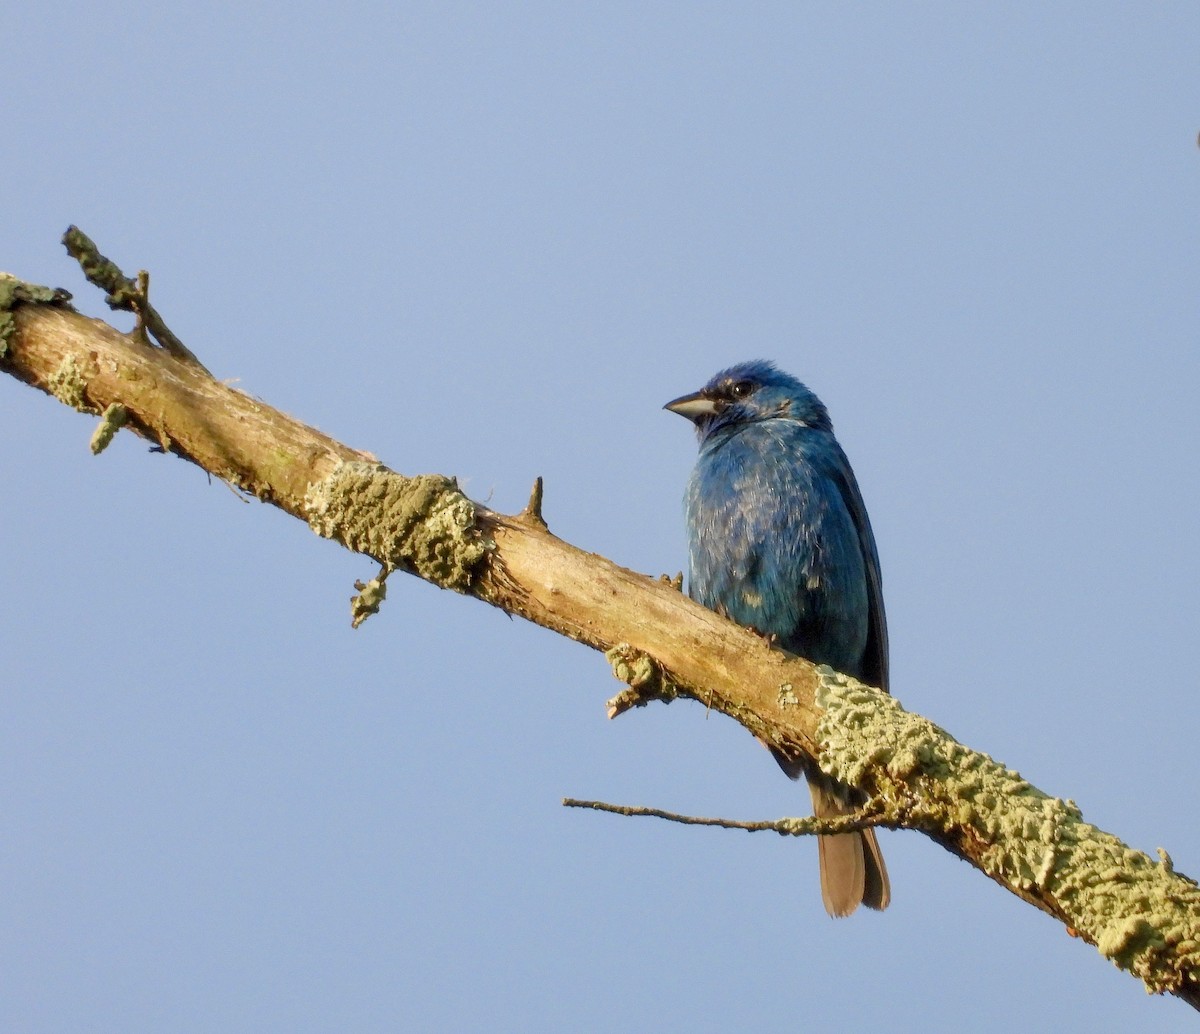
[[1137, 911]]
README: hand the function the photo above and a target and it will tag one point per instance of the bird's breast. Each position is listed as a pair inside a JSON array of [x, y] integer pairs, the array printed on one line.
[[772, 546]]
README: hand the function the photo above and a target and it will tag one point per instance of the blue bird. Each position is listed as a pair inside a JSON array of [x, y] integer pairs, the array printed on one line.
[[779, 541]]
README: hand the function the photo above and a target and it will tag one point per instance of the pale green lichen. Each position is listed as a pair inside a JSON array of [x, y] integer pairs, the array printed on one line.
[[1140, 914], [646, 678], [69, 385], [370, 596], [631, 666], [111, 422], [420, 524]]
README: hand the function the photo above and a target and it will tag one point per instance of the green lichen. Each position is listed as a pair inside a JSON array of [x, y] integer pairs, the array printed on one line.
[[69, 385], [1140, 914], [646, 678], [111, 422], [370, 596], [631, 666], [14, 292], [423, 524]]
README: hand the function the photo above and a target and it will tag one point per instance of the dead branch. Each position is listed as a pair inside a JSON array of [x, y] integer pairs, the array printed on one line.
[[1137, 911]]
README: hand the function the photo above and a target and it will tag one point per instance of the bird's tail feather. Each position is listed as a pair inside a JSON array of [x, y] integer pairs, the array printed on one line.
[[852, 867]]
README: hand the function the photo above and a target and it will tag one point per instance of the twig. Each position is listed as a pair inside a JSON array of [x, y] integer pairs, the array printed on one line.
[[122, 293], [533, 509], [789, 827]]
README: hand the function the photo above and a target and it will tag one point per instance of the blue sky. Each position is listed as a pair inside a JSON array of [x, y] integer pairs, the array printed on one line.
[[491, 241]]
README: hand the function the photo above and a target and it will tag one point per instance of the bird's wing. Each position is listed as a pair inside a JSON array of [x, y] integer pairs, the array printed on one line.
[[875, 658]]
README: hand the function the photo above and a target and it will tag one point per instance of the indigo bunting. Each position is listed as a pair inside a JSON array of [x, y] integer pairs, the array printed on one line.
[[779, 541]]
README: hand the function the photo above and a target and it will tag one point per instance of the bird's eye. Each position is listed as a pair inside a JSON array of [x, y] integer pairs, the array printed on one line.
[[741, 390]]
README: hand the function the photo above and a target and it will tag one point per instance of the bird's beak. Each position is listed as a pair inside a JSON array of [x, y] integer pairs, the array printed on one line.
[[692, 406]]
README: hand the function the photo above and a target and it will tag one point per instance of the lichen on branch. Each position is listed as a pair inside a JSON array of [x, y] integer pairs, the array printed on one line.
[[1140, 914], [14, 292], [422, 524]]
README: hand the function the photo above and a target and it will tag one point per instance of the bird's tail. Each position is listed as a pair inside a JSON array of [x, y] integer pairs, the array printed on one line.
[[852, 868]]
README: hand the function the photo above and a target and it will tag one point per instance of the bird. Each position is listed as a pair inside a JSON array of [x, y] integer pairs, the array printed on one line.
[[779, 541]]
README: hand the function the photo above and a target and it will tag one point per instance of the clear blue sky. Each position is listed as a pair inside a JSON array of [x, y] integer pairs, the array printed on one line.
[[490, 241]]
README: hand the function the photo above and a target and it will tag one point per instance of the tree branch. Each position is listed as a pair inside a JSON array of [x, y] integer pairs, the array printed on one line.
[[1137, 911]]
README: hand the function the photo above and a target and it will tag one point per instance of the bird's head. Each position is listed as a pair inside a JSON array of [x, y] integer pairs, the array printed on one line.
[[749, 393]]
